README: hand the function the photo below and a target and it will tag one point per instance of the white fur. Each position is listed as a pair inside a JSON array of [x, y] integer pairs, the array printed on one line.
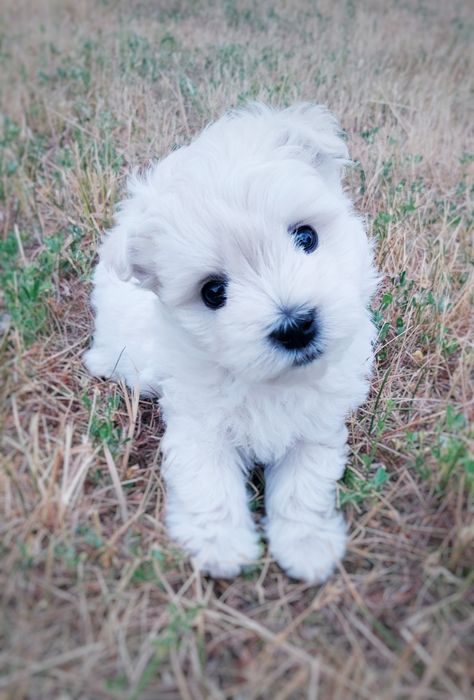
[[224, 205]]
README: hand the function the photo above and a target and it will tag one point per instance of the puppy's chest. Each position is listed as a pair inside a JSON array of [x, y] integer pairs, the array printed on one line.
[[265, 427]]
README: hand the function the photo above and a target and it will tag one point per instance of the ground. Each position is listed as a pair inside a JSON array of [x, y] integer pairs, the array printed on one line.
[[96, 601]]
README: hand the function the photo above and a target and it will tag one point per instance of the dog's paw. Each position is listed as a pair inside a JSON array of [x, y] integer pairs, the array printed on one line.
[[217, 549], [97, 363], [308, 552], [224, 554]]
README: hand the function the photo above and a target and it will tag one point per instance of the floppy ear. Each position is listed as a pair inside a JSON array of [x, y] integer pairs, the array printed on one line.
[[317, 137], [130, 247]]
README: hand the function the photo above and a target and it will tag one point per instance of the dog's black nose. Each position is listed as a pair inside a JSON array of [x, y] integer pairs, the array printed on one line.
[[297, 331]]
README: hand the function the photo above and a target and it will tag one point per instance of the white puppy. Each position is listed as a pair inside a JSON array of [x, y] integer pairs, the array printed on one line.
[[235, 286]]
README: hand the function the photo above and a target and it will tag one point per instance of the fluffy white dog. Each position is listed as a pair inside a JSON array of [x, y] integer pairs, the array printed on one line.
[[235, 286]]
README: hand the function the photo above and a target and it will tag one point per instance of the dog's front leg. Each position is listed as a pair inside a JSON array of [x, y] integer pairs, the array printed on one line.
[[206, 504], [307, 534]]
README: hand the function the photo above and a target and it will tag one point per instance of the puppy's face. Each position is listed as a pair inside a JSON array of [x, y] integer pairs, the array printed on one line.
[[250, 243]]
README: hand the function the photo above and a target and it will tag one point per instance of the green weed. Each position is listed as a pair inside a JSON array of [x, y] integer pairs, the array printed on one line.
[[180, 625], [28, 287], [102, 427], [360, 489]]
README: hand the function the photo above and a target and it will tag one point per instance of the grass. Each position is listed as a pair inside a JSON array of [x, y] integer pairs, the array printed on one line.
[[96, 601]]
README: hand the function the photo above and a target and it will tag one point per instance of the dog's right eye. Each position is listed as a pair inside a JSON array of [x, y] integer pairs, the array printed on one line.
[[305, 237], [213, 292]]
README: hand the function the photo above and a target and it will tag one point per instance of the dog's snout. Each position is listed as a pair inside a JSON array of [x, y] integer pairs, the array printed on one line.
[[297, 331]]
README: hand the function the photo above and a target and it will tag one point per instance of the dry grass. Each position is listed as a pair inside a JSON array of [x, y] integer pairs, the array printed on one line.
[[97, 602]]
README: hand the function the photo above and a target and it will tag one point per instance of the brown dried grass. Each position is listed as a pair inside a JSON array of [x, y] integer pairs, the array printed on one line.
[[96, 601]]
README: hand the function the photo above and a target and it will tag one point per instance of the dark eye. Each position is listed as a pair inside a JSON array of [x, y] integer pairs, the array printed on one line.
[[213, 292], [305, 237]]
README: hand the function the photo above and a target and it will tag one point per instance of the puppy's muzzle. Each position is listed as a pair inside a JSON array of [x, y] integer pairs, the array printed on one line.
[[297, 331]]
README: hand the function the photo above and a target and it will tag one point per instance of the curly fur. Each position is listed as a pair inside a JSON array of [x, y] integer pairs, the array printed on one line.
[[224, 205]]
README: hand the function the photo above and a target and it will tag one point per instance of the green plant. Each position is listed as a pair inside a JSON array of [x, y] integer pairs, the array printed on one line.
[[102, 426], [28, 287]]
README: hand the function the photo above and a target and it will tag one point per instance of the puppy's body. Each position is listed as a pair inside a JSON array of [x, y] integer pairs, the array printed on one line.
[[237, 383]]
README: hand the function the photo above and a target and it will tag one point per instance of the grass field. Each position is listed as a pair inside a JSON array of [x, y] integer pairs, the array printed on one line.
[[96, 601]]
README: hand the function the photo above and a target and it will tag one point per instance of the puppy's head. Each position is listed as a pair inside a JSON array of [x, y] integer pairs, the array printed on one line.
[[249, 241]]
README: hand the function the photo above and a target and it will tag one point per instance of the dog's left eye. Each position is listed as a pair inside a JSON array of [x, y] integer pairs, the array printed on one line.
[[213, 293], [305, 237]]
